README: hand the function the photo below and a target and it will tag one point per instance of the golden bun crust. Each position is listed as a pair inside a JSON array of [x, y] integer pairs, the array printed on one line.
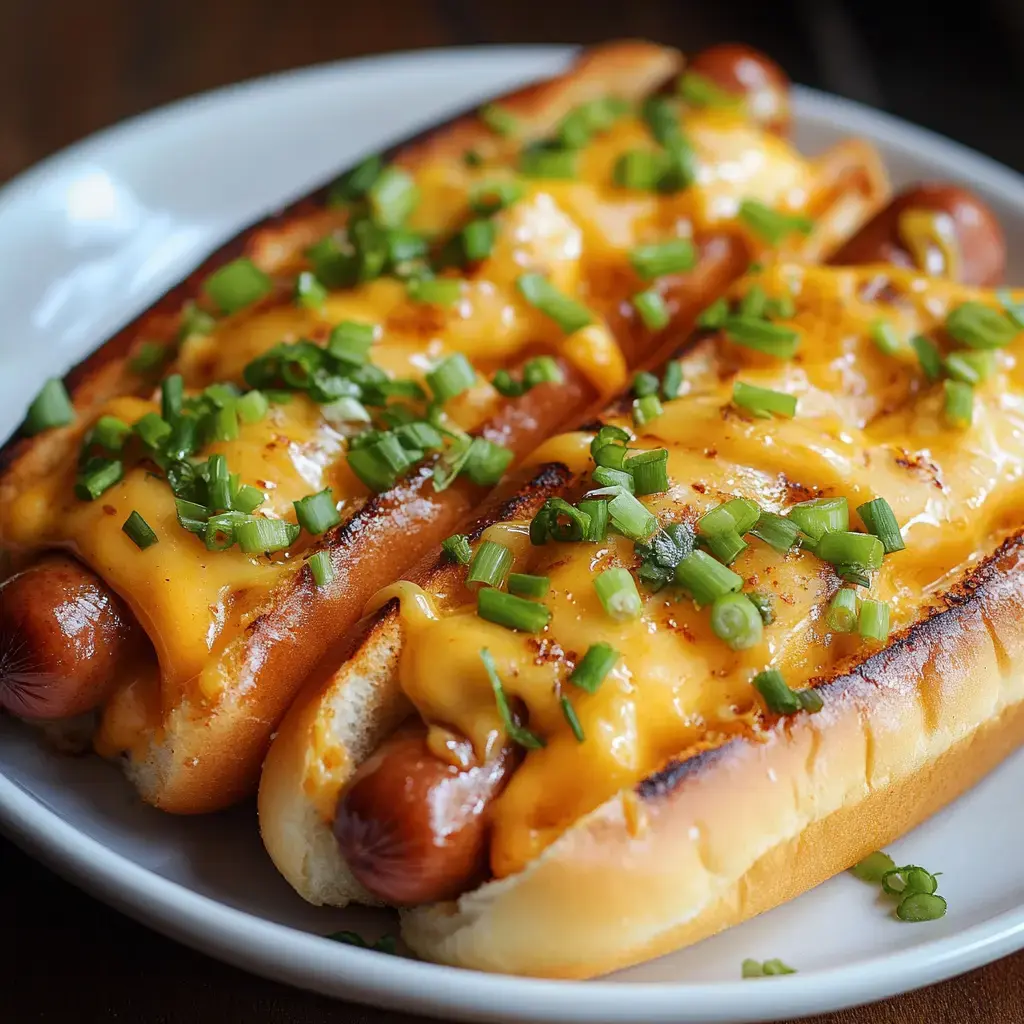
[[726, 834]]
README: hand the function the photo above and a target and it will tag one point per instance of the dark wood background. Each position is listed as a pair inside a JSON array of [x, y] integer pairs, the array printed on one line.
[[70, 67]]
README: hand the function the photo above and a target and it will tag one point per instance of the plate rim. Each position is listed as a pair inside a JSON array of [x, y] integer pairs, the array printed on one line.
[[255, 943]]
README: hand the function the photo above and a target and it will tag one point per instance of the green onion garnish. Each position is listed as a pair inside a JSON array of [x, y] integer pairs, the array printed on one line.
[[309, 292], [252, 407], [510, 611], [715, 316], [540, 293], [640, 169], [777, 532], [171, 395], [928, 356], [597, 529], [558, 520], [959, 404], [486, 462], [219, 530], [753, 969], [265, 535], [194, 321], [762, 336], [380, 463], [886, 340], [139, 531], [110, 433], [646, 409], [616, 590], [236, 285], [517, 733], [392, 197], [608, 448], [490, 564], [354, 184], [457, 548], [153, 430], [570, 717], [873, 621], [739, 515], [727, 546], [652, 309], [821, 515], [873, 867], [979, 326], [645, 384], [662, 554], [247, 499], [736, 620], [491, 196], [699, 91], [662, 116], [451, 377], [544, 160], [591, 669], [629, 516], [434, 291], [921, 906], [764, 602], [498, 119], [753, 303], [859, 552], [224, 424], [651, 261], [350, 342], [317, 513], [477, 239], [218, 483], [542, 370], [345, 410], [649, 471], [705, 578], [1012, 309], [972, 366], [901, 881], [321, 567], [772, 225], [879, 518], [524, 585], [780, 699], [672, 380], [151, 355], [842, 611], [97, 476], [763, 402]]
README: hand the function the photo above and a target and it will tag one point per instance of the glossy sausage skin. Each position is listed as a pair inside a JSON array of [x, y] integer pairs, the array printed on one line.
[[979, 238], [743, 71], [63, 639], [414, 829]]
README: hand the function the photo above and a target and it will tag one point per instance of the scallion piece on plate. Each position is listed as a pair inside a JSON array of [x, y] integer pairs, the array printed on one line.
[[477, 239], [736, 620], [715, 316], [97, 475], [820, 516], [972, 366], [451, 377], [921, 906], [616, 590], [740, 515], [380, 463], [491, 196], [153, 430], [172, 392], [542, 370], [457, 548], [928, 356], [350, 342], [558, 520], [510, 611], [652, 309], [591, 669], [140, 532], [873, 867], [354, 184], [109, 432], [490, 564], [764, 602], [597, 510], [640, 169], [309, 292], [645, 383], [700, 91], [884, 335], [959, 403], [570, 716], [486, 462], [842, 611], [629, 516], [672, 380], [656, 260], [321, 567], [772, 225], [879, 518], [780, 699], [705, 578], [543, 160], [149, 357], [50, 408], [516, 732], [762, 336], [247, 499], [861, 552], [317, 513], [255, 536], [646, 409], [236, 285], [252, 407], [540, 293], [763, 402], [726, 546], [524, 585], [434, 291], [649, 471], [392, 197], [501, 121], [873, 620], [979, 326], [778, 532]]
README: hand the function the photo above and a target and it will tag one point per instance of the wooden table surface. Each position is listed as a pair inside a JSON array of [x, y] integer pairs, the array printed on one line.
[[68, 68]]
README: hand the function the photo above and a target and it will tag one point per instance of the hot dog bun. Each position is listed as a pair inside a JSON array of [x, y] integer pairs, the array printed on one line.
[[740, 820]]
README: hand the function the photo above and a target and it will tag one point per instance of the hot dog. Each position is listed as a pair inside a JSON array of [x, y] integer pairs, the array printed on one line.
[[450, 317], [592, 866], [740, 70]]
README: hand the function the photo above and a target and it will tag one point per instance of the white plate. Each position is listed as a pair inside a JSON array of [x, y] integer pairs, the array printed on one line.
[[89, 238]]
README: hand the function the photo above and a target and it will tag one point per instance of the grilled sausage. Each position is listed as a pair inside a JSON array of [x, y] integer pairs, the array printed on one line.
[[743, 71]]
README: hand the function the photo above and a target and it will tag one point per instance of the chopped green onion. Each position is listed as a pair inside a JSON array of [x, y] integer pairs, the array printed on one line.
[[347, 410], [842, 611], [616, 590], [356, 183], [195, 321], [699, 91], [879, 518], [542, 370], [959, 405], [873, 621], [662, 554], [629, 516], [543, 160], [608, 477], [491, 196], [772, 225], [1012, 309], [477, 239], [736, 620], [715, 316], [254, 536], [672, 380], [309, 292], [451, 377], [726, 547], [219, 484], [172, 391], [608, 448], [662, 116], [140, 532], [763, 402], [902, 881], [252, 407], [517, 733], [591, 669], [317, 513], [182, 442], [780, 699], [321, 567], [762, 336], [928, 356], [109, 432], [778, 532], [859, 552], [972, 366], [151, 355], [886, 340], [524, 585], [764, 602], [457, 548], [873, 867], [236, 285], [506, 385], [435, 291], [780, 308], [381, 463], [392, 197], [224, 424], [247, 499], [821, 515], [581, 124], [510, 611], [97, 476], [753, 303], [646, 409], [490, 564], [486, 462], [753, 969], [547, 524], [645, 384], [540, 293], [350, 342], [652, 309], [651, 261], [219, 531], [921, 906], [640, 169], [980, 326], [570, 717], [739, 515], [649, 471], [705, 578], [501, 121], [192, 516], [597, 530]]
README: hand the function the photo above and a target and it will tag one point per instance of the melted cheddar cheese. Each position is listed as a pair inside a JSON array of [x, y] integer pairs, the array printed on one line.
[[867, 425], [577, 233]]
